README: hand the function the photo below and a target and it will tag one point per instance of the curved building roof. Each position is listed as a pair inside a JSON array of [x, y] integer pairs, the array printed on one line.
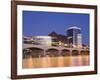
[[74, 27]]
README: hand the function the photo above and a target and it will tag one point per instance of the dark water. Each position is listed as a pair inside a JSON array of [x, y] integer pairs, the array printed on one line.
[[63, 61]]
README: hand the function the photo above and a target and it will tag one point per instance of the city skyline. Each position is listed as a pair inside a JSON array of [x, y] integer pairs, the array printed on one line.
[[42, 23]]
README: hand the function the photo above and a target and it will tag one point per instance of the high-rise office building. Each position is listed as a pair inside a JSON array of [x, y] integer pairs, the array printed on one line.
[[74, 36]]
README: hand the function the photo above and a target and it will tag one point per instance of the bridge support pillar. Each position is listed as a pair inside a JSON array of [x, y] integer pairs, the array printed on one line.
[[44, 53], [71, 53], [59, 54], [79, 52]]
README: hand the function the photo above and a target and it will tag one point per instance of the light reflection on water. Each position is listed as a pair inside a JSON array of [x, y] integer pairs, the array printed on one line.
[[63, 61]]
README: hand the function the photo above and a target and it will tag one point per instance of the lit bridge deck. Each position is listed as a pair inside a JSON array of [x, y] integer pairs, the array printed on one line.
[[48, 50]]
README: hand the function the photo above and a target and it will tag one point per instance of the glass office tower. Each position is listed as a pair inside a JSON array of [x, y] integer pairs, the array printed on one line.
[[74, 36]]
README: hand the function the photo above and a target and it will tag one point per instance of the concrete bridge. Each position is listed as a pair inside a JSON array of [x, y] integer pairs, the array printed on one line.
[[40, 50]]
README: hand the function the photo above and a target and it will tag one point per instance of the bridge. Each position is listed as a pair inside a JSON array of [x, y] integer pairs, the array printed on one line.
[[40, 50]]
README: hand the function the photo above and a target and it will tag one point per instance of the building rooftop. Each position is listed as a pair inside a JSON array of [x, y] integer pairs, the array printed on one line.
[[42, 36], [74, 27]]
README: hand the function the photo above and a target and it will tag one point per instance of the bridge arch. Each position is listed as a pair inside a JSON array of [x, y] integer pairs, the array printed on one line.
[[36, 52], [65, 52], [75, 52], [84, 52], [52, 52], [87, 52], [27, 53]]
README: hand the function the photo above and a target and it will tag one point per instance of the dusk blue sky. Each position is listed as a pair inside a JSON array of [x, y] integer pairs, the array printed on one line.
[[42, 23]]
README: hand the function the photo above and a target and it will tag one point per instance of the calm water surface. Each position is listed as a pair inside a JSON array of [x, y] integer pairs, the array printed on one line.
[[63, 61]]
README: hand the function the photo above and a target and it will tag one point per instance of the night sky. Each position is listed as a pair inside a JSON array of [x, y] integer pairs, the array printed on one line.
[[42, 23]]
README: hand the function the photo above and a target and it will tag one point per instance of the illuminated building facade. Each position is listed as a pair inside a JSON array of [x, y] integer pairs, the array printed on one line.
[[74, 36], [72, 39]]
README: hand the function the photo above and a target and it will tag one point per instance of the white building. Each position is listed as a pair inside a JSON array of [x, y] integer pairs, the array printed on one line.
[[79, 40], [42, 40]]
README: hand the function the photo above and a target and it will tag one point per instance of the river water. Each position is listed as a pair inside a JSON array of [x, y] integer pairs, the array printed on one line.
[[62, 61]]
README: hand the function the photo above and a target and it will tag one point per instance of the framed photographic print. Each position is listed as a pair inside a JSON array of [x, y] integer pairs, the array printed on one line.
[[53, 39]]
